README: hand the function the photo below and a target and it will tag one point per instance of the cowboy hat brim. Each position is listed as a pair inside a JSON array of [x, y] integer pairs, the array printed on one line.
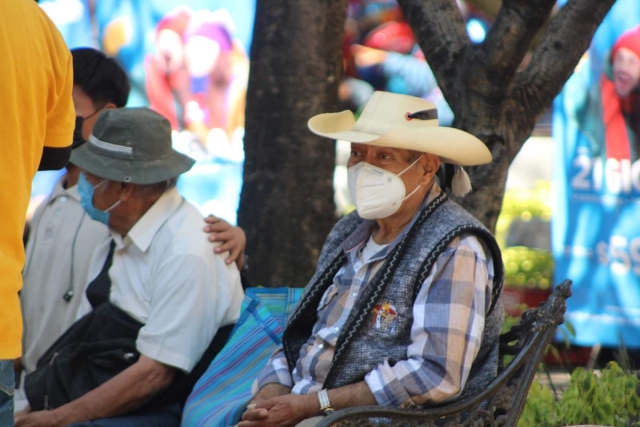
[[338, 126], [451, 145]]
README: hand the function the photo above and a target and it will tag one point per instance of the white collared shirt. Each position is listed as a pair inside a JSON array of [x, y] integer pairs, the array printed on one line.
[[61, 243], [165, 275]]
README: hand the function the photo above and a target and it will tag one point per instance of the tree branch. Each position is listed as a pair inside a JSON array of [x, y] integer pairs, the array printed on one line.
[[568, 37], [441, 33], [510, 37], [490, 7]]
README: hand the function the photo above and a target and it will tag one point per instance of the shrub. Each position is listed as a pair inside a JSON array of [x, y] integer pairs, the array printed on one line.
[[610, 399]]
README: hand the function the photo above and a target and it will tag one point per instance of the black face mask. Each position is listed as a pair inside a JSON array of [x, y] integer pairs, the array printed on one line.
[[78, 140]]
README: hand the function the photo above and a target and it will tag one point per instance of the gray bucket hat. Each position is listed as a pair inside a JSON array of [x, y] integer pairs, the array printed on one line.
[[131, 145]]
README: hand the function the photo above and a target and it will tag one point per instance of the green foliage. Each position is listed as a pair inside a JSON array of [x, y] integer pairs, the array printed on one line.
[[610, 399], [541, 409], [525, 205], [532, 268], [586, 401], [623, 389], [511, 321]]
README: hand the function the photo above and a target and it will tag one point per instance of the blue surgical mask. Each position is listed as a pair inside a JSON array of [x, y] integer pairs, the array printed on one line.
[[85, 189]]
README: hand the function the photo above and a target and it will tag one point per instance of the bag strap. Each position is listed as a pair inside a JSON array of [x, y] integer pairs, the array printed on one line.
[[99, 289]]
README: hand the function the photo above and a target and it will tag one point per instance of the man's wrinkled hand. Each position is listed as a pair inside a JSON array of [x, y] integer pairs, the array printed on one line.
[[285, 411], [253, 414], [37, 419]]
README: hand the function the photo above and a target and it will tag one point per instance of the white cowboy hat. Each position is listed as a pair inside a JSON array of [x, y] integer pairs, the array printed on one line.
[[402, 121]]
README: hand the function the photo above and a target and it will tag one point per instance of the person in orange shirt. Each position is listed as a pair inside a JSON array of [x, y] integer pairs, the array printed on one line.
[[36, 123]]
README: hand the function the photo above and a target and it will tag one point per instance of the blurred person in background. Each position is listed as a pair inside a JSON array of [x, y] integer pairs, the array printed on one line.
[[609, 113]]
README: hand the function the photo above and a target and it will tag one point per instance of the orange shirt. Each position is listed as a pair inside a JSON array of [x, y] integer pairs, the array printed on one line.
[[36, 110]]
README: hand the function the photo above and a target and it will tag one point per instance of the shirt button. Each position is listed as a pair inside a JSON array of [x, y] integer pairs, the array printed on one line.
[[336, 329], [63, 198], [355, 294], [321, 346]]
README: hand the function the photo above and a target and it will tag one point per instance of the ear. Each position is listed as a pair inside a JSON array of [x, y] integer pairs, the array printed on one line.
[[128, 191], [110, 106], [430, 164]]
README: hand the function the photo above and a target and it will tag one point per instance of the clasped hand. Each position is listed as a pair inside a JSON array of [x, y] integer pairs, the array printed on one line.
[[287, 410]]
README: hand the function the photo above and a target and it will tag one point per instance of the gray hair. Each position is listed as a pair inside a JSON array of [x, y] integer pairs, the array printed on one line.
[[158, 188]]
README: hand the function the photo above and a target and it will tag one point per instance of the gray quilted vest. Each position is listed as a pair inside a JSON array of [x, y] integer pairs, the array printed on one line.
[[360, 346]]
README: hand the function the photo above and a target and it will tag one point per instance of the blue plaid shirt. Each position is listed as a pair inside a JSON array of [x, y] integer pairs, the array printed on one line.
[[449, 314]]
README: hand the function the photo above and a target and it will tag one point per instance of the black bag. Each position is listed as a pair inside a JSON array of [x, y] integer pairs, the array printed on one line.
[[93, 350]]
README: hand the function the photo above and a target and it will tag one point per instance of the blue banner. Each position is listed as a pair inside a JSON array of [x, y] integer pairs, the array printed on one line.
[[186, 59], [596, 216]]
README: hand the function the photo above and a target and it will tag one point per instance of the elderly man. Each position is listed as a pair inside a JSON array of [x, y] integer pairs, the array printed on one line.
[[63, 237], [404, 309], [159, 295]]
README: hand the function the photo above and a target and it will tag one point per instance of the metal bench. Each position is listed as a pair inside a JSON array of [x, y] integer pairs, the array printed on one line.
[[502, 402]]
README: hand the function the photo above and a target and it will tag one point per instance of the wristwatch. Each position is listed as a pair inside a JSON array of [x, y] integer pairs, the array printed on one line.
[[325, 404]]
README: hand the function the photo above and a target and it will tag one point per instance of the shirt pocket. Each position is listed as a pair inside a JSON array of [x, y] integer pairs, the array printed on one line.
[[328, 297]]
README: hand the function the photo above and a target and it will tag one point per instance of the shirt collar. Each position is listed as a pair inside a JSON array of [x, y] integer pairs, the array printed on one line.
[[365, 228], [60, 191], [73, 192], [145, 229]]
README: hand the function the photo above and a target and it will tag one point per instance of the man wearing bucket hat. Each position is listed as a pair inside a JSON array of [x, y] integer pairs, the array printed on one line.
[[159, 293], [404, 308], [54, 280]]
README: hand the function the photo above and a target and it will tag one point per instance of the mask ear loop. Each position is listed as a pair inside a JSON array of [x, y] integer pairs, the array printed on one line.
[[406, 169], [411, 165], [413, 192], [112, 206], [100, 183]]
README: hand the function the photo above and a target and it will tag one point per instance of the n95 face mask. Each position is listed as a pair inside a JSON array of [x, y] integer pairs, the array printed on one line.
[[376, 192]]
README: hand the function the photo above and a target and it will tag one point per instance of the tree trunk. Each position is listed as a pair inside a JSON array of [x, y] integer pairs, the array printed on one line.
[[489, 94], [287, 207]]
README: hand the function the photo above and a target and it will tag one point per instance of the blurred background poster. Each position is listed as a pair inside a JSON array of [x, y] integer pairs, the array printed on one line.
[[188, 60], [596, 216]]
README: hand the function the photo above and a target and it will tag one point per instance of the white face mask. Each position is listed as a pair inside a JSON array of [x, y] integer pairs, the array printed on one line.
[[377, 193]]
